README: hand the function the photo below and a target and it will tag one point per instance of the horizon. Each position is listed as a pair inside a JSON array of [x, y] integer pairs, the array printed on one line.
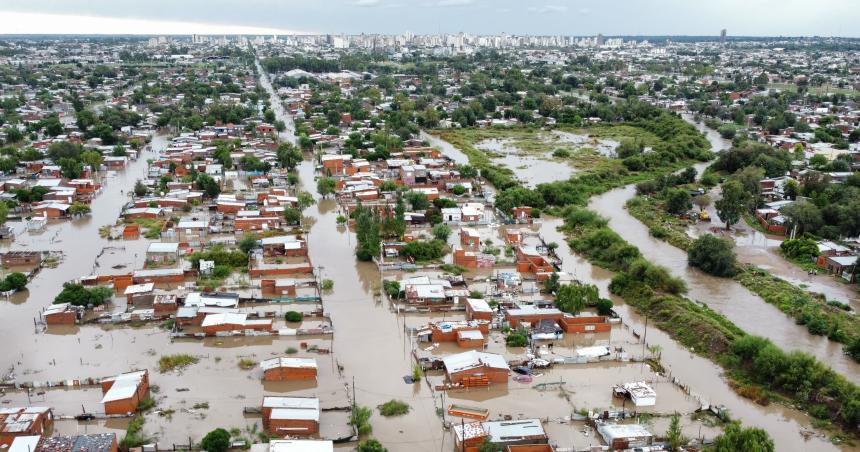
[[763, 18]]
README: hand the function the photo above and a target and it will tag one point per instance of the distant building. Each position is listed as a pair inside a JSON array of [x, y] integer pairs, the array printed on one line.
[[723, 36]]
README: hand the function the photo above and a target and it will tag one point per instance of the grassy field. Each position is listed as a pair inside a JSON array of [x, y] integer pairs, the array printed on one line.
[[817, 90]]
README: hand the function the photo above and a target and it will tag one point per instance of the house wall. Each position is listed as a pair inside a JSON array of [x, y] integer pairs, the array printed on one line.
[[283, 427], [595, 324], [61, 318], [495, 376], [290, 374]]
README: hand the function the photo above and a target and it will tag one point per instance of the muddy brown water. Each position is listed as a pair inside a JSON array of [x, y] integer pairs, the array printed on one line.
[[705, 378]]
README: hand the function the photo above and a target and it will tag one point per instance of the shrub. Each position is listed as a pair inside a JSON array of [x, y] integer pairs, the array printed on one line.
[[458, 189], [393, 408], [78, 295], [561, 153], [293, 316], [360, 419], [713, 255], [417, 372], [327, 284], [441, 232], [217, 440], [517, 339], [371, 445], [170, 362], [424, 250], [246, 363], [134, 434], [391, 288]]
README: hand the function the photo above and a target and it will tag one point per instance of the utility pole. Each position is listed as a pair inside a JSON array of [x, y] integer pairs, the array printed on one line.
[[644, 340]]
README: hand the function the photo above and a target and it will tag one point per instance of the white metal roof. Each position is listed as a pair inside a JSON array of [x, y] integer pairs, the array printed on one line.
[[308, 363], [472, 359], [159, 247], [124, 386], [305, 445]]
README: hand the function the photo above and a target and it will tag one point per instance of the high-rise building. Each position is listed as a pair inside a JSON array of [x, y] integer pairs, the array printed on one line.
[[600, 40], [723, 36]]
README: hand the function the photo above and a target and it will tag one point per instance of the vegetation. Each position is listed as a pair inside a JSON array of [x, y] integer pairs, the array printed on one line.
[[293, 316], [134, 436], [735, 438], [425, 250], [674, 437], [393, 408], [217, 440], [516, 339], [713, 255], [246, 363], [327, 284], [166, 363], [15, 281], [371, 445], [78, 295], [360, 419], [417, 372], [733, 203]]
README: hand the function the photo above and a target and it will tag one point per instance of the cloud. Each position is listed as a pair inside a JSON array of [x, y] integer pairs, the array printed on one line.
[[548, 9], [454, 2], [367, 2]]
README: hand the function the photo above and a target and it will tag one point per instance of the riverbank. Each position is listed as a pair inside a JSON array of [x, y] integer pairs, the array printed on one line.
[[820, 316]]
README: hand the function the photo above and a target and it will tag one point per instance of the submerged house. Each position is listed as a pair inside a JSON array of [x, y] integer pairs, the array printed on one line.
[[123, 393], [293, 416]]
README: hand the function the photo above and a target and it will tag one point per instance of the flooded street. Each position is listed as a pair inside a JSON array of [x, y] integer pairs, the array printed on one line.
[[704, 377]]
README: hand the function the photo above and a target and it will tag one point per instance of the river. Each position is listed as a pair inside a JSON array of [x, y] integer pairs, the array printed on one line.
[[706, 378]]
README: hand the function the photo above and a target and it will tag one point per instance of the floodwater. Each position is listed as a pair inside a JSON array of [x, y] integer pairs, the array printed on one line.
[[530, 169], [602, 146], [704, 378], [744, 308]]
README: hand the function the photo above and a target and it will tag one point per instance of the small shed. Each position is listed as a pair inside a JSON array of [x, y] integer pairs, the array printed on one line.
[[289, 369]]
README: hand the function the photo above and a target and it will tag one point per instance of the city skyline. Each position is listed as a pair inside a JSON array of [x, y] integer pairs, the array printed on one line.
[[545, 17]]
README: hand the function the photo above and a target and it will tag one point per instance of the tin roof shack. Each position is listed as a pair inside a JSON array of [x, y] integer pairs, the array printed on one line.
[[23, 421], [123, 393], [162, 253], [478, 309], [474, 368], [62, 314], [159, 276], [21, 259], [24, 444], [585, 324], [532, 315], [294, 416], [220, 300], [139, 294], [278, 287], [526, 431], [289, 369], [97, 442], [625, 436], [529, 448], [468, 436], [841, 266], [164, 305], [470, 339], [529, 260], [449, 331], [294, 445], [284, 245], [640, 393], [228, 322]]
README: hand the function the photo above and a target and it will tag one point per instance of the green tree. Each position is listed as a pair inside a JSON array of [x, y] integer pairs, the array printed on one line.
[[292, 215], [803, 214], [217, 440], [289, 156], [248, 243], [119, 151], [677, 201], [4, 212], [732, 203], [209, 186], [371, 445], [140, 189], [791, 189], [70, 168], [441, 232], [713, 255], [326, 186], [674, 436], [13, 135], [736, 438], [79, 208], [305, 200], [93, 159], [417, 200], [575, 297]]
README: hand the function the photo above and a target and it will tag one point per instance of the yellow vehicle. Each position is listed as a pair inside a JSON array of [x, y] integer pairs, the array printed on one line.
[[703, 216]]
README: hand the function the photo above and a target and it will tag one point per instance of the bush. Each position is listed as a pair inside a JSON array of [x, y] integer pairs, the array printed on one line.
[[217, 440], [393, 408], [360, 419], [170, 362], [293, 316], [246, 363], [604, 306], [458, 190], [78, 295], [441, 232], [713, 255], [327, 284], [423, 250], [391, 288], [417, 372], [371, 445], [134, 434], [517, 339], [561, 153], [802, 248], [14, 281]]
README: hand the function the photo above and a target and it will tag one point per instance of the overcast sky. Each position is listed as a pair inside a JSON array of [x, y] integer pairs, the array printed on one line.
[[568, 17]]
